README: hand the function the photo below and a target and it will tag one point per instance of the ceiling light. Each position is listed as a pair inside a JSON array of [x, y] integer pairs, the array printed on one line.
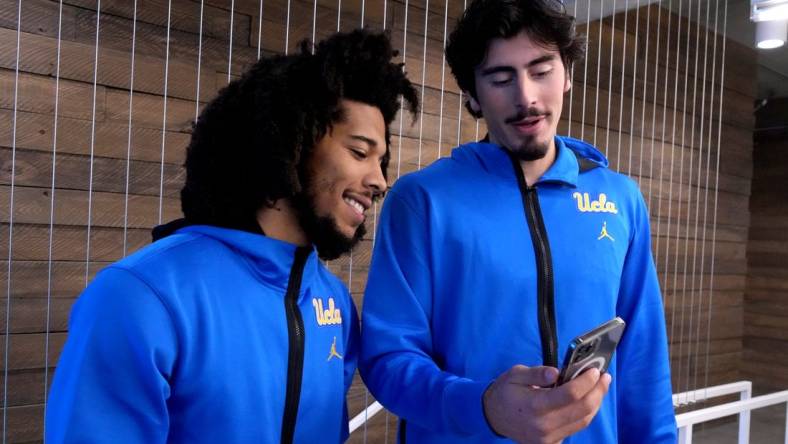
[[768, 10], [771, 34]]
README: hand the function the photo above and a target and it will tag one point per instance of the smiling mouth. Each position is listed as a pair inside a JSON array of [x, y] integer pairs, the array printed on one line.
[[356, 205]]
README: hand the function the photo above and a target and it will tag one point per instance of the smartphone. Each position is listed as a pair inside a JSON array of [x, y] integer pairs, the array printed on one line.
[[593, 349]]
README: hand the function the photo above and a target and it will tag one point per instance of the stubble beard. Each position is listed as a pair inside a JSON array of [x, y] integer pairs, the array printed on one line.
[[323, 230], [530, 150]]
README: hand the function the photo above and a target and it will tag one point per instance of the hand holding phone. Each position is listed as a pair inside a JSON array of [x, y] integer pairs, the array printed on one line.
[[593, 349]]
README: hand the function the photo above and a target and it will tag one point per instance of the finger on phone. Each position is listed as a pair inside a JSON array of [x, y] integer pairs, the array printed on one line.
[[573, 390], [540, 376]]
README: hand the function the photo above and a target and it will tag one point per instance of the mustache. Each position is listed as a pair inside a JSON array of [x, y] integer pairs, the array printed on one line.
[[525, 113]]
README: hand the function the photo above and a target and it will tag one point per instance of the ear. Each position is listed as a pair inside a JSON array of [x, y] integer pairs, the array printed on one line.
[[567, 81], [473, 103]]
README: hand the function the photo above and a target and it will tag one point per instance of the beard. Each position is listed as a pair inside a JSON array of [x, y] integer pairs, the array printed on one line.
[[529, 149], [323, 231]]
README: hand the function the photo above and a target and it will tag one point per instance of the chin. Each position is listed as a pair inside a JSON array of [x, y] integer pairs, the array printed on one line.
[[331, 242], [530, 151]]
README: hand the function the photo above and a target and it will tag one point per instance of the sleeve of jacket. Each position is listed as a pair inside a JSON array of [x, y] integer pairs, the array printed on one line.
[[351, 361], [111, 382], [396, 361], [643, 368]]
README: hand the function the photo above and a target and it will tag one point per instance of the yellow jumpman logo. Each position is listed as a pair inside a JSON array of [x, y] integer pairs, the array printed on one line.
[[604, 233], [334, 353]]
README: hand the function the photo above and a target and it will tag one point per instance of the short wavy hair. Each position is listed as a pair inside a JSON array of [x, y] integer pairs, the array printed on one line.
[[250, 143], [545, 21]]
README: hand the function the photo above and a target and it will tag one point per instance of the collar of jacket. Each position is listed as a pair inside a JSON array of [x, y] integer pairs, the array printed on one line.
[[272, 259], [564, 170]]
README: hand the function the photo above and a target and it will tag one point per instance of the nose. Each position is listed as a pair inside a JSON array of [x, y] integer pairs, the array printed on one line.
[[374, 179], [525, 95]]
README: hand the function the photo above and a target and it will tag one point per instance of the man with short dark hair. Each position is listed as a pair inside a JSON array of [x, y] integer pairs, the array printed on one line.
[[488, 263], [228, 328]]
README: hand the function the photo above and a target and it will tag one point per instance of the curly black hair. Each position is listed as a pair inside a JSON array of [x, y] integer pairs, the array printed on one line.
[[545, 21], [250, 143]]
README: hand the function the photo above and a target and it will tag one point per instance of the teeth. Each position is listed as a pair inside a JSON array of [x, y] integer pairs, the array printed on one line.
[[355, 204]]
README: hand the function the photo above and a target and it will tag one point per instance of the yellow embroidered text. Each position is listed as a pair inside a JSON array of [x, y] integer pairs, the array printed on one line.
[[329, 316], [601, 205]]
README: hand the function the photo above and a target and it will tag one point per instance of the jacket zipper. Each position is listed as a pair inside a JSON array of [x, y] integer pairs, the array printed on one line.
[[295, 355], [544, 264]]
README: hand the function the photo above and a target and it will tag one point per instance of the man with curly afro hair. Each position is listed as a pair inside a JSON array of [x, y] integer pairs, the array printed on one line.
[[228, 328]]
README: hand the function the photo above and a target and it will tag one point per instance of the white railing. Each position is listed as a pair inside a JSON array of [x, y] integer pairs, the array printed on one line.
[[684, 421], [743, 388], [742, 407], [364, 416]]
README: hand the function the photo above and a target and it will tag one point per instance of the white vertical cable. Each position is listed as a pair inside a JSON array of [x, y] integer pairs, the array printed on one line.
[[708, 167], [460, 104], [164, 114], [350, 263], [716, 188], [459, 119], [689, 203], [314, 25], [128, 138], [678, 217], [477, 120], [402, 99], [443, 75], [423, 79], [634, 84], [287, 28], [11, 224], [571, 90], [697, 198], [339, 14], [645, 87], [654, 110], [199, 63], [260, 29], [662, 147], [598, 65], [610, 78], [585, 73], [92, 144], [623, 77], [385, 11], [363, 10], [230, 44], [51, 211], [670, 185]]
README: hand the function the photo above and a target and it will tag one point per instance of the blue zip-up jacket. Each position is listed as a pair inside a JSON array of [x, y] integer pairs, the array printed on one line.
[[474, 271], [191, 340]]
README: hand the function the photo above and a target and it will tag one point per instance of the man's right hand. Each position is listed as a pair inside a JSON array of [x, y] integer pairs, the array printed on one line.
[[519, 407]]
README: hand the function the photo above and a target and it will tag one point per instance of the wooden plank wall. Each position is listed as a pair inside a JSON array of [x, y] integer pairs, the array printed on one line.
[[766, 300], [116, 179]]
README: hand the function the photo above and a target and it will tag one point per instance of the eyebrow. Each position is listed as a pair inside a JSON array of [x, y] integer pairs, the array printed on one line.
[[502, 68], [364, 139]]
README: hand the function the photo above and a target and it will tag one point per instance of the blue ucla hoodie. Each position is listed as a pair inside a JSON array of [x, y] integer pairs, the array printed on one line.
[[210, 335], [475, 271]]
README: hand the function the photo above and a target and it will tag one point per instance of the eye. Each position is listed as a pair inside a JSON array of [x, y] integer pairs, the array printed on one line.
[[500, 80], [542, 74], [358, 153]]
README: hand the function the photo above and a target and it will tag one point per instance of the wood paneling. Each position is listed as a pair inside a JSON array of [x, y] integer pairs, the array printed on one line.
[[655, 119], [766, 299]]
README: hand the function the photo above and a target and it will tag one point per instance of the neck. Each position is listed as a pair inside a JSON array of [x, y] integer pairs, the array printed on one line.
[[280, 221]]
